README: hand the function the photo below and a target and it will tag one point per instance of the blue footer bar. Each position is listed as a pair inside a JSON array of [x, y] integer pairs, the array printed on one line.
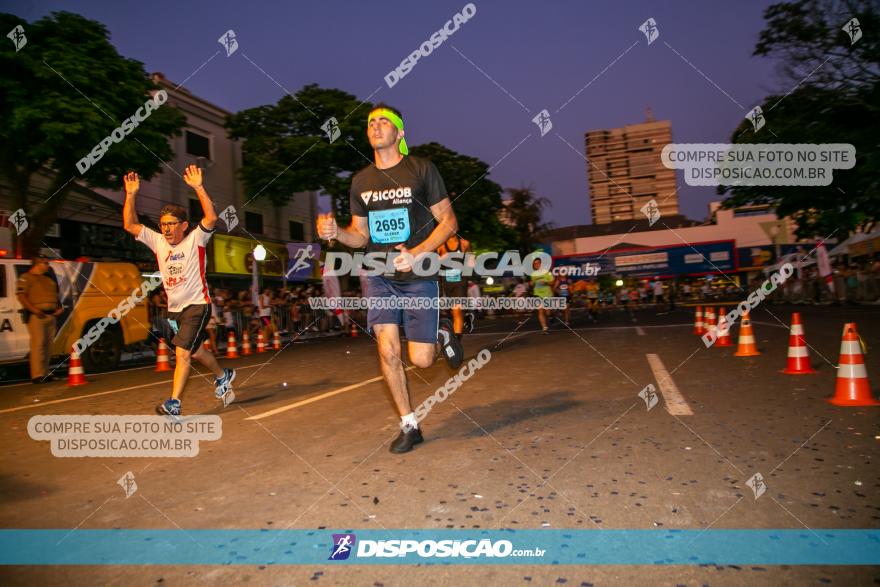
[[427, 547]]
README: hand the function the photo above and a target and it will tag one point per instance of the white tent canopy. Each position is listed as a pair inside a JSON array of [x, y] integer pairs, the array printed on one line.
[[843, 248], [795, 259]]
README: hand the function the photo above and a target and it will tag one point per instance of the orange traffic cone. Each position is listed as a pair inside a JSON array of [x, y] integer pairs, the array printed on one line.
[[709, 320], [245, 344], [798, 357], [207, 345], [746, 346], [276, 341], [698, 322], [852, 387], [723, 329], [231, 348], [354, 330], [75, 374], [162, 361], [261, 343]]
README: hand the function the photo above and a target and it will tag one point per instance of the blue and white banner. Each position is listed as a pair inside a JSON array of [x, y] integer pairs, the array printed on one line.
[[432, 547], [302, 258], [686, 259]]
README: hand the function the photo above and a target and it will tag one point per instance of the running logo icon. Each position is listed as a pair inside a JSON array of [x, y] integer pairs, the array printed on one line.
[[128, 484], [650, 30], [543, 121], [19, 220], [18, 38], [302, 260], [331, 127], [854, 30], [648, 394], [230, 218], [756, 482], [229, 42], [756, 117], [342, 546], [651, 212]]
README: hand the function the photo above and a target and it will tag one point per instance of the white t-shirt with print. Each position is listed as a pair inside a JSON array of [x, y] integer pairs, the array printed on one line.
[[265, 305], [182, 266]]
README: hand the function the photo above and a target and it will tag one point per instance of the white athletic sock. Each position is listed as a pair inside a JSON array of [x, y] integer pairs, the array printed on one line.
[[409, 421]]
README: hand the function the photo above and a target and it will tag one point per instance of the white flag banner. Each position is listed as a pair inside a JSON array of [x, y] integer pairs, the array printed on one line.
[[824, 265], [255, 287]]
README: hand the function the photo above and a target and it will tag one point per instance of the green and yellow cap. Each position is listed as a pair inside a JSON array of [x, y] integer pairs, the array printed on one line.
[[395, 120]]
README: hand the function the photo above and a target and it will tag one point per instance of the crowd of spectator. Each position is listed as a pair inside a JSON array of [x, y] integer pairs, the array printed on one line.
[[282, 309], [287, 310]]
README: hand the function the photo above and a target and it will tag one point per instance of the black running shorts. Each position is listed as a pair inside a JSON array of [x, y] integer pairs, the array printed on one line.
[[191, 323]]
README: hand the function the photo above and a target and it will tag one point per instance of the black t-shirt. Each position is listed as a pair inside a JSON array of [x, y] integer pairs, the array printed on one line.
[[397, 204]]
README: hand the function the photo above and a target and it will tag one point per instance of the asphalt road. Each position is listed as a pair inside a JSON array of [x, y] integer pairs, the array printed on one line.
[[551, 433]]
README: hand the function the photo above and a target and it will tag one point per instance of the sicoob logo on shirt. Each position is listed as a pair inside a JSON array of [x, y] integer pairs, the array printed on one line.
[[399, 195]]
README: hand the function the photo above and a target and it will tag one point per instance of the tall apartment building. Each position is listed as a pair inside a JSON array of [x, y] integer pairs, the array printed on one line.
[[625, 171]]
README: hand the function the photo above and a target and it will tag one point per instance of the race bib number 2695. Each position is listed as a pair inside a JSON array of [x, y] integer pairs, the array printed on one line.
[[389, 226]]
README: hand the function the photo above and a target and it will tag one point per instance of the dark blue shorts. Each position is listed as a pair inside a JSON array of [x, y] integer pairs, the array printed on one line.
[[419, 325]]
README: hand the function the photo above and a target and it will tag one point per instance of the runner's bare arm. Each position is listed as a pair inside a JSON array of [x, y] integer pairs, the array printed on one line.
[[447, 225], [129, 210], [193, 178], [356, 236]]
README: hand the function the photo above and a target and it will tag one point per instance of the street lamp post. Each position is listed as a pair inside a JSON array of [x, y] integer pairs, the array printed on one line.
[[259, 257]]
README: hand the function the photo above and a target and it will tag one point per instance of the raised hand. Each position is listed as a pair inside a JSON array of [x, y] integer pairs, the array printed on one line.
[[193, 177], [132, 182]]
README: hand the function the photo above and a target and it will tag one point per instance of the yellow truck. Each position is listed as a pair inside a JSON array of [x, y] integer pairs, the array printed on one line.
[[104, 311]]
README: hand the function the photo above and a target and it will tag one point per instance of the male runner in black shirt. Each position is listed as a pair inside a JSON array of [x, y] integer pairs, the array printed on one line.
[[399, 203]]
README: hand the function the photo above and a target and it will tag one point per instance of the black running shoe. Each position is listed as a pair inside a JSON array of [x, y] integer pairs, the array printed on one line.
[[406, 440], [469, 320], [451, 347]]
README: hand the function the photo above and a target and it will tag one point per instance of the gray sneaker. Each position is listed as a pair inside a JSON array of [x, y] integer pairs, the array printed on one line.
[[223, 385]]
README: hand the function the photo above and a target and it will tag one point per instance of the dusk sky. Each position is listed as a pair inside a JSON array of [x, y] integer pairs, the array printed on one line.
[[538, 56]]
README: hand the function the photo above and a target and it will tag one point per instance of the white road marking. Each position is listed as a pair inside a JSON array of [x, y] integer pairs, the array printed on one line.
[[639, 331], [675, 402], [318, 397], [100, 393]]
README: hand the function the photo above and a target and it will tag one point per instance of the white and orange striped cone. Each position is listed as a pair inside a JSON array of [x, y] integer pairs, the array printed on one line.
[[276, 341], [698, 322], [723, 330], [261, 342], [852, 387], [162, 361], [746, 346], [245, 344], [207, 345], [354, 330], [75, 374], [798, 357], [709, 320], [231, 348]]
